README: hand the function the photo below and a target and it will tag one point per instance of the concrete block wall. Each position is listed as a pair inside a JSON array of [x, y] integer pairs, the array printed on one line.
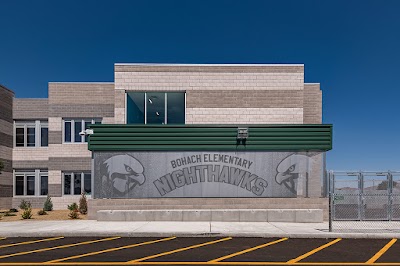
[[66, 100], [6, 145], [257, 93], [74, 100], [312, 104]]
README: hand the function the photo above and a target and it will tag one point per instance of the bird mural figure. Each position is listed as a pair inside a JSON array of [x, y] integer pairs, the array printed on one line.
[[123, 174], [290, 169]]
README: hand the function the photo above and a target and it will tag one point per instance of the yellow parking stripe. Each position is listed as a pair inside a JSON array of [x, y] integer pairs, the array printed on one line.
[[31, 242], [199, 263], [111, 249], [382, 251], [314, 251], [57, 247], [179, 250], [248, 250]]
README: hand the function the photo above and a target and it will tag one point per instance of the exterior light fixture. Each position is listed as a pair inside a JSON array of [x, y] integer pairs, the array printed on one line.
[[86, 132], [242, 135]]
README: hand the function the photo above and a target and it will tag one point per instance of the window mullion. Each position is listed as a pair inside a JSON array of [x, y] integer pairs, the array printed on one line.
[[25, 135], [165, 109], [83, 129], [145, 108]]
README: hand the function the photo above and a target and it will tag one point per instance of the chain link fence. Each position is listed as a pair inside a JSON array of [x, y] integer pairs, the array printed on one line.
[[364, 201]]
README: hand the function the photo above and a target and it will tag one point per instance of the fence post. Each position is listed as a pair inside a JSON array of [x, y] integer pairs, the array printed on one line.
[[330, 199], [390, 195]]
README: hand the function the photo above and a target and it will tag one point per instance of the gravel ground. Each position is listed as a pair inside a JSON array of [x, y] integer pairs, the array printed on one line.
[[51, 215]]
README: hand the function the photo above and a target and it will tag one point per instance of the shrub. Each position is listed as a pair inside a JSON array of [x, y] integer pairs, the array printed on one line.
[[42, 212], [27, 214], [13, 210], [73, 214], [9, 214], [83, 204], [25, 205], [73, 207], [48, 204]]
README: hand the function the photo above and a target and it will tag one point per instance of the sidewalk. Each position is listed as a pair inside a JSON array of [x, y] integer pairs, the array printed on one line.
[[185, 229]]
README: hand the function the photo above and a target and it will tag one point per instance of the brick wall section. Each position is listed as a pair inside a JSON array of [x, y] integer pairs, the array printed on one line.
[[30, 109], [70, 163], [186, 77], [229, 82], [244, 115], [6, 143], [74, 100], [312, 104], [244, 99]]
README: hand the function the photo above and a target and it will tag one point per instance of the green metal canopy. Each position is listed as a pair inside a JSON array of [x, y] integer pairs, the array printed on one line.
[[298, 137]]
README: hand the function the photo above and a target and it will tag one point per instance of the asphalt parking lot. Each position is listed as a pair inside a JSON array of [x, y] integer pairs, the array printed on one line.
[[197, 250]]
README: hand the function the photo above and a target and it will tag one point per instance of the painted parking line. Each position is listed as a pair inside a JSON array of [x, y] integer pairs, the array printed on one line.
[[31, 242], [111, 249], [314, 251], [57, 247], [180, 250], [198, 263], [249, 250], [382, 251]]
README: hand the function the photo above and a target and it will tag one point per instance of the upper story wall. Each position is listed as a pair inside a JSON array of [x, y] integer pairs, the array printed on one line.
[[6, 143], [220, 94], [30, 109]]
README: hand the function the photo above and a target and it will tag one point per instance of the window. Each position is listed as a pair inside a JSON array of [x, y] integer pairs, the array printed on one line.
[[76, 183], [31, 183], [155, 107], [31, 134], [44, 184], [72, 128]]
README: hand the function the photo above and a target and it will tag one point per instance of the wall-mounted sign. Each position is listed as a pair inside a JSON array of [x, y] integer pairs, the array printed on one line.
[[200, 174]]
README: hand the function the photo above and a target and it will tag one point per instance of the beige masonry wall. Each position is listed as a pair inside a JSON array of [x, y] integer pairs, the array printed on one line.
[[220, 87], [312, 103], [74, 100], [6, 143]]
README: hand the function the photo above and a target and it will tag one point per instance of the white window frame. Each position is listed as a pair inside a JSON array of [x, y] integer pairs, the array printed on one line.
[[145, 104], [73, 120], [82, 177], [25, 124], [37, 173]]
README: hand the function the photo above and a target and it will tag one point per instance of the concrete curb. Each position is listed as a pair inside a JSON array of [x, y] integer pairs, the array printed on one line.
[[205, 234]]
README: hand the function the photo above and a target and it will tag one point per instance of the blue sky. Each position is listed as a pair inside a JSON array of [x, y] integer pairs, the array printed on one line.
[[351, 47]]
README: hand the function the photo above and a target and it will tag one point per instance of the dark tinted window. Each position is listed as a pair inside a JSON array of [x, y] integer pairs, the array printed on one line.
[[67, 131], [19, 137], [30, 141], [135, 107], [19, 185], [67, 184], [78, 129], [77, 184], [175, 108], [87, 183], [44, 185], [30, 185], [44, 136], [155, 108]]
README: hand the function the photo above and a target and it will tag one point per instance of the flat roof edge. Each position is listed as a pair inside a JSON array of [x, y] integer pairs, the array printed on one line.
[[205, 65], [7, 89]]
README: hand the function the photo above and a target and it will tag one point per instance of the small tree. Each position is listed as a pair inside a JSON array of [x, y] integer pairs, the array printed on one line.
[[27, 214], [74, 213], [83, 204], [48, 204], [24, 205]]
